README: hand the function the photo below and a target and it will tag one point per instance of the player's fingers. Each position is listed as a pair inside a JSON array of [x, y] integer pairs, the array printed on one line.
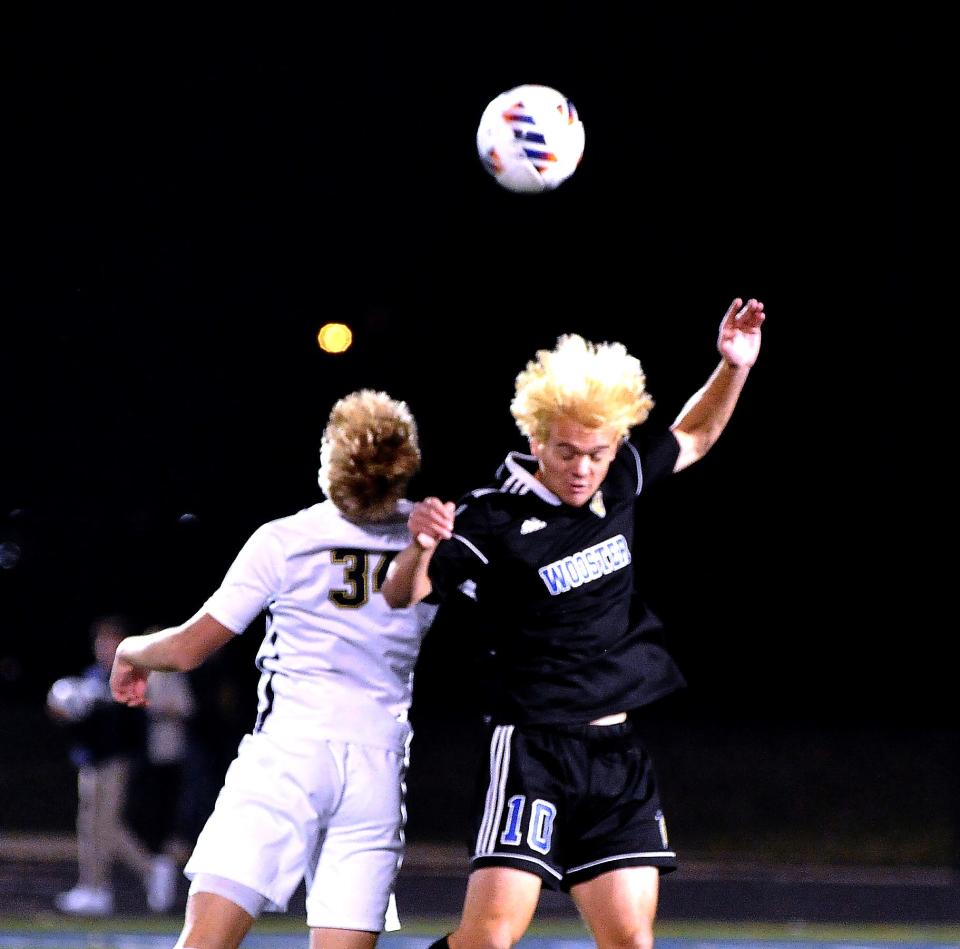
[[731, 314], [753, 313]]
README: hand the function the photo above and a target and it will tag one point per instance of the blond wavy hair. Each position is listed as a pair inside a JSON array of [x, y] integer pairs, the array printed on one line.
[[595, 384], [368, 454]]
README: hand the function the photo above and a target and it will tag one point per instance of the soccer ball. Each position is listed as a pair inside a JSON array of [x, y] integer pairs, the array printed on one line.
[[530, 138]]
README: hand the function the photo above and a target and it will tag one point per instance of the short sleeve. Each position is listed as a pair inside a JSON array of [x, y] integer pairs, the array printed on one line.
[[657, 452], [251, 583], [462, 559]]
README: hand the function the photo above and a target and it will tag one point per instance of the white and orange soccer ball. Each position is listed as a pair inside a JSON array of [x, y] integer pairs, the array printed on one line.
[[530, 138]]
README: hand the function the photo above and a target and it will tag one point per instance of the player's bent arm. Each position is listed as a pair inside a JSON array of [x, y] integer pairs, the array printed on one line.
[[707, 412], [705, 416], [178, 648], [407, 580]]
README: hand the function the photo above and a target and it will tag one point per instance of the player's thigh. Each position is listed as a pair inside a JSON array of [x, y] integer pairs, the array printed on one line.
[[351, 880], [212, 921], [497, 909], [268, 817], [620, 906]]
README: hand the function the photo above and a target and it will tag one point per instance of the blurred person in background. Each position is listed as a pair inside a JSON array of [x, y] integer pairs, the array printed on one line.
[[105, 742], [159, 791]]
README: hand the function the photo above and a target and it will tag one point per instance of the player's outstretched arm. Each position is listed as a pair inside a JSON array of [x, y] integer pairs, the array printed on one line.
[[707, 412], [177, 649], [430, 521]]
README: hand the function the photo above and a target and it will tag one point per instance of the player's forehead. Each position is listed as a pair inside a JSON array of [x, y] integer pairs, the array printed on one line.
[[567, 432]]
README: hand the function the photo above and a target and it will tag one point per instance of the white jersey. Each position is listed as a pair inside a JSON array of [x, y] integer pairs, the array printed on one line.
[[336, 661]]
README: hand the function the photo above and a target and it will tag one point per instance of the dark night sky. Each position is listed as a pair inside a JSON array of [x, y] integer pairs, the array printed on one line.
[[187, 201]]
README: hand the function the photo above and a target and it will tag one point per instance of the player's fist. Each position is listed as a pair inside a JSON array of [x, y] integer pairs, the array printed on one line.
[[128, 683], [431, 521]]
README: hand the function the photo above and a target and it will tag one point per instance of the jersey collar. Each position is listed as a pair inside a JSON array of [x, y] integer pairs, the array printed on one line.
[[520, 479]]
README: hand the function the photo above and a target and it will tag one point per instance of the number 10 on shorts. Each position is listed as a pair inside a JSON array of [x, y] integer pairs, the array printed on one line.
[[539, 826]]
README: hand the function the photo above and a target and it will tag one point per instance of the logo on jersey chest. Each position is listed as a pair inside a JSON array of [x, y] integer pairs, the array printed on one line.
[[586, 565], [596, 504]]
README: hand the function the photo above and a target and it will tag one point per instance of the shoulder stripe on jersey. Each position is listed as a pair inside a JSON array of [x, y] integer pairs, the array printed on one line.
[[478, 493], [520, 480], [472, 547], [636, 458], [514, 485]]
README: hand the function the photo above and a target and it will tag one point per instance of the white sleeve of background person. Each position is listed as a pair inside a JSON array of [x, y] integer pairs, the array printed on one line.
[[336, 661], [170, 703]]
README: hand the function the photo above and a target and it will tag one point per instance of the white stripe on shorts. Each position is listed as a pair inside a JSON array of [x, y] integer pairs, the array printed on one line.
[[644, 854], [493, 808]]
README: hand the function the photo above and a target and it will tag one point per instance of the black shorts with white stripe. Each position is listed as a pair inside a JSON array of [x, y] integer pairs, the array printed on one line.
[[568, 803]]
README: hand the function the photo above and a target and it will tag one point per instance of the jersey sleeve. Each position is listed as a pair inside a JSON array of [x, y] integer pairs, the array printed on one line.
[[251, 583], [458, 562], [656, 455]]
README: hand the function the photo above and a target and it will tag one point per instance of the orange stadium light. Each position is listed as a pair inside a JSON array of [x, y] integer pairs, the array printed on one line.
[[335, 337]]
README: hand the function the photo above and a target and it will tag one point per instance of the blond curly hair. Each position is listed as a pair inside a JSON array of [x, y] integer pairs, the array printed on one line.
[[368, 454], [595, 384]]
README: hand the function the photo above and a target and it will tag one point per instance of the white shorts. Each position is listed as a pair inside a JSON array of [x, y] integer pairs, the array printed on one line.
[[328, 812]]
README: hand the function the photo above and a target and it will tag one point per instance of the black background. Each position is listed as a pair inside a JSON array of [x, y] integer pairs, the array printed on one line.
[[187, 200]]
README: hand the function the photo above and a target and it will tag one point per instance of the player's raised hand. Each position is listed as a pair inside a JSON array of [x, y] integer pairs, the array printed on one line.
[[431, 521], [739, 339]]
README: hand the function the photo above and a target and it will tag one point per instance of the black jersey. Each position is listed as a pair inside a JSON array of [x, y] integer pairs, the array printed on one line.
[[567, 639]]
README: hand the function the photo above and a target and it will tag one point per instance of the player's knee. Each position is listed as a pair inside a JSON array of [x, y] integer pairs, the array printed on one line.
[[502, 936], [641, 938], [494, 934]]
